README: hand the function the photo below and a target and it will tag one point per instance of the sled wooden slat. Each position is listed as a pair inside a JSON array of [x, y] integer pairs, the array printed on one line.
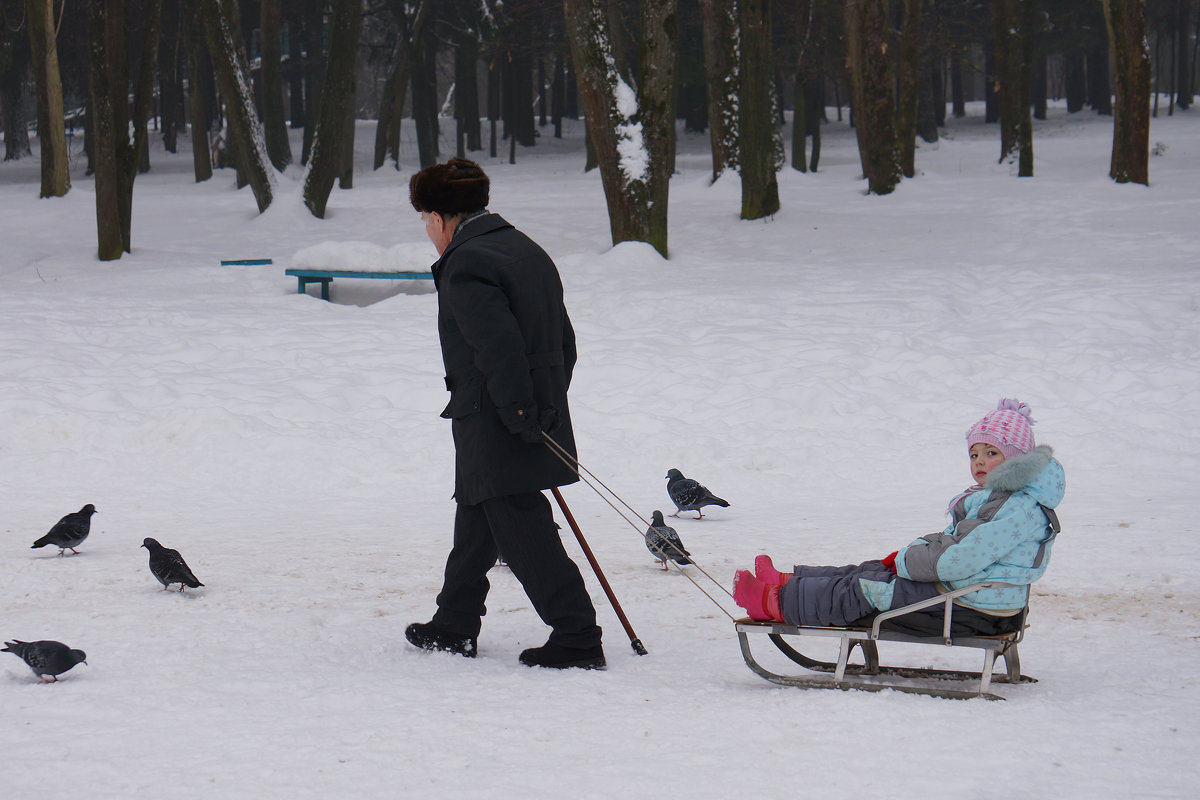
[[324, 277], [871, 675]]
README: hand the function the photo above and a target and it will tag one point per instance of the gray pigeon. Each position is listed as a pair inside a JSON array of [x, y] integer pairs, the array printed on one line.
[[69, 532], [688, 495], [663, 542], [169, 567], [46, 657]]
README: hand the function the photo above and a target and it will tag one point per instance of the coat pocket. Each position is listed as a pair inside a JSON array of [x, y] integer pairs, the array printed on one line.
[[466, 398]]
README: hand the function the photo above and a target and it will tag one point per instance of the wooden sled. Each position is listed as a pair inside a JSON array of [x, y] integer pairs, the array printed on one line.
[[871, 675]]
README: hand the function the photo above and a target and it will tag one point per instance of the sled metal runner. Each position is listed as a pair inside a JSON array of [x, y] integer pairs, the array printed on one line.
[[873, 676]]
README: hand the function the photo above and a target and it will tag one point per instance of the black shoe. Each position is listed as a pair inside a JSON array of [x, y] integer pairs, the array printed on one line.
[[555, 656], [428, 636]]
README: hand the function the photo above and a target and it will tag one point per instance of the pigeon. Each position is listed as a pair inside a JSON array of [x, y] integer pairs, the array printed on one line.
[[45, 658], [70, 531], [688, 495], [169, 567], [663, 542]]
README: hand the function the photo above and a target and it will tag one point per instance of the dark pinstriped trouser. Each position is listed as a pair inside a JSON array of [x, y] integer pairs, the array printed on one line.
[[521, 527]]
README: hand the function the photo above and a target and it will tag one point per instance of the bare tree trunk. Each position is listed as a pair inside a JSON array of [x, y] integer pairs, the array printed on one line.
[[233, 77], [391, 104], [799, 124], [391, 107], [807, 66], [871, 84], [424, 96], [337, 103], [466, 90], [1126, 23], [271, 78], [631, 140], [170, 77], [137, 157], [12, 101], [720, 33], [757, 122], [957, 98], [558, 93], [929, 96], [115, 148], [656, 102], [199, 86], [1183, 80], [1014, 57], [104, 135], [493, 102], [910, 83], [314, 71], [52, 137], [1099, 87]]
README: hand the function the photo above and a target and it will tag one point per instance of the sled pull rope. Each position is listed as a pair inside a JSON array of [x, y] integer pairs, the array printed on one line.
[[587, 476]]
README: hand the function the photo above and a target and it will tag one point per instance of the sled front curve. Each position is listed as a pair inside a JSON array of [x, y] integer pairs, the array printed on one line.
[[873, 676]]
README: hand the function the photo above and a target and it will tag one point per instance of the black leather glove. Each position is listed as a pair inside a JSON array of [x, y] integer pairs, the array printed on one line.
[[546, 421]]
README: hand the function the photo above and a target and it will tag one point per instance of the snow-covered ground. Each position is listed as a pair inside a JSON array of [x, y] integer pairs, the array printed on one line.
[[819, 370]]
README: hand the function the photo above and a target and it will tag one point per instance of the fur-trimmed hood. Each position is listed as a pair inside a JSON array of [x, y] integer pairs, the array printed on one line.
[[1037, 473]]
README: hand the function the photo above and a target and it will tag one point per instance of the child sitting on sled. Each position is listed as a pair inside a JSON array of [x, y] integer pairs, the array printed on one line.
[[1000, 530]]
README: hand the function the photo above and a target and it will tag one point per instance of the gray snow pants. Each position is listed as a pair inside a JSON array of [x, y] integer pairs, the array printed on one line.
[[833, 596]]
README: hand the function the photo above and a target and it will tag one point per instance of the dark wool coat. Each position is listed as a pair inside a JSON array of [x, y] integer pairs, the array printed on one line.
[[509, 349]]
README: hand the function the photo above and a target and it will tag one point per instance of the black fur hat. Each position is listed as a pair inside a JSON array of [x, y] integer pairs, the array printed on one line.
[[456, 187]]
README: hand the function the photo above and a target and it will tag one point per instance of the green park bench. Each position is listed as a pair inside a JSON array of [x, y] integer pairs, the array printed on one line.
[[323, 276]]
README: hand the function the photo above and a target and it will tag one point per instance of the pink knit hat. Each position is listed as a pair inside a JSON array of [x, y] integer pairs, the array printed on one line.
[[1008, 427]]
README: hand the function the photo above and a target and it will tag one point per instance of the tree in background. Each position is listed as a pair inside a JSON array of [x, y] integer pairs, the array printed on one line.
[[56, 177], [246, 143], [312, 23], [105, 126], [274, 118], [871, 87], [116, 156], [337, 106], [409, 24], [14, 67], [630, 122], [760, 149], [200, 88], [816, 32], [909, 84], [1184, 27], [1014, 23], [721, 35], [1131, 112]]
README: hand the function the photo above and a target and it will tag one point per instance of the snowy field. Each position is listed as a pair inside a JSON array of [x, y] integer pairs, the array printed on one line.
[[819, 370]]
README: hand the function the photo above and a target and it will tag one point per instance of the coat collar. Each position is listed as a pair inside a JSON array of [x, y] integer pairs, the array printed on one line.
[[475, 226]]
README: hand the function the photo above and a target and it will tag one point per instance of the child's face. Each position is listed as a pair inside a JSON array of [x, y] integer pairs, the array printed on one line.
[[984, 458]]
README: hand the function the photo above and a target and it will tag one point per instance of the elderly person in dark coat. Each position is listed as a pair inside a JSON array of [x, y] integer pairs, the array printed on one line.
[[508, 348]]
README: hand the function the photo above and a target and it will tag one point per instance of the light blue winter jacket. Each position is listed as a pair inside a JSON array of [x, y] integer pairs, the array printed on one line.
[[1012, 546]]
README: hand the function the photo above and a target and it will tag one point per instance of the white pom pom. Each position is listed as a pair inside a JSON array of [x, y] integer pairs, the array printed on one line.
[[1012, 404]]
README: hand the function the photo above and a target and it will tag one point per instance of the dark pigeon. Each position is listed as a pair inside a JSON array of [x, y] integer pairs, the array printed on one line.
[[45, 658], [663, 542], [688, 495], [169, 567], [70, 531]]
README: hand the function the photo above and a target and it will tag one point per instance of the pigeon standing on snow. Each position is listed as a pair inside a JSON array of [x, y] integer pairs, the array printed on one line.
[[663, 542], [46, 657], [70, 531], [688, 495], [169, 567]]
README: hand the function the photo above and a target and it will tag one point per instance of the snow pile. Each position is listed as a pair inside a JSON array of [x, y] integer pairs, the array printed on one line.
[[367, 256]]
